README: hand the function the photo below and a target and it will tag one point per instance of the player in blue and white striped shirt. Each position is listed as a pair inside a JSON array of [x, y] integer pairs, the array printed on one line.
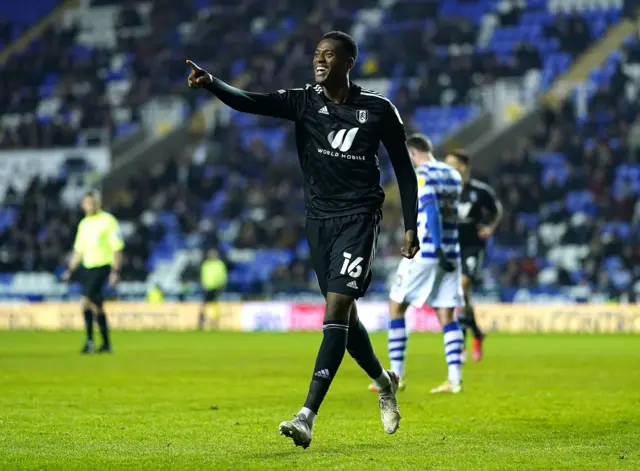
[[433, 277]]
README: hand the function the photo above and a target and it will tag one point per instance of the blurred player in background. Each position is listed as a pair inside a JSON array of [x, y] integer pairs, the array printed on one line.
[[155, 295], [434, 276], [213, 278], [98, 246], [479, 214], [339, 127]]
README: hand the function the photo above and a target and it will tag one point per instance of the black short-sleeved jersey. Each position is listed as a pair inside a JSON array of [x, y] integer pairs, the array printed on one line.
[[338, 147], [478, 203]]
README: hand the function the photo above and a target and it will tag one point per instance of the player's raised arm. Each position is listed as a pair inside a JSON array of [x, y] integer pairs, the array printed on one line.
[[394, 140], [286, 104]]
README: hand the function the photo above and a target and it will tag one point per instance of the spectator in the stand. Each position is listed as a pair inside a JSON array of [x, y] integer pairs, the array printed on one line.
[[252, 210], [564, 278], [572, 32], [6, 31], [619, 79], [282, 279], [129, 16], [248, 238], [602, 99], [208, 230], [528, 58], [510, 274], [630, 9], [633, 141]]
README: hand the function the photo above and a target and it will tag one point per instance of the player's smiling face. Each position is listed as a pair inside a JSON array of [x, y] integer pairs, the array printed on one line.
[[330, 60]]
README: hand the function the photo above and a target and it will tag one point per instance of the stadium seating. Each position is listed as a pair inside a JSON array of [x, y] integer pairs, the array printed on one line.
[[536, 218], [15, 19], [233, 196], [131, 42], [584, 229], [138, 50]]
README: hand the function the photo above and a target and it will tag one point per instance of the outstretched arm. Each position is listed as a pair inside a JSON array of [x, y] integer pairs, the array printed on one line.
[[240, 100], [283, 104]]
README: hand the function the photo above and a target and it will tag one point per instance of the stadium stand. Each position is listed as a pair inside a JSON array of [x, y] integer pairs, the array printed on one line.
[[239, 188], [582, 169], [138, 48]]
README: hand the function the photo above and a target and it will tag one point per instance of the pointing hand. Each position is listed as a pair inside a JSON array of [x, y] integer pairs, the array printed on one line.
[[198, 77]]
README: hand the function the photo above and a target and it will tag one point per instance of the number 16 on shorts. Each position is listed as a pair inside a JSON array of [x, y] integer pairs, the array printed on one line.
[[352, 267]]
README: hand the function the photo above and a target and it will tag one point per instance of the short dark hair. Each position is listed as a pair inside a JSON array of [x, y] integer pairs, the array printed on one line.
[[420, 142], [92, 194], [348, 43], [461, 155]]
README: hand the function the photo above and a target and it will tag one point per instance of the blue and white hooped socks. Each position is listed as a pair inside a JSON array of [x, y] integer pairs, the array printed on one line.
[[397, 345], [453, 346]]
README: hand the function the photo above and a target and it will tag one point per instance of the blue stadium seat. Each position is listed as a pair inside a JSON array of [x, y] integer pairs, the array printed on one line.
[[530, 221], [20, 13]]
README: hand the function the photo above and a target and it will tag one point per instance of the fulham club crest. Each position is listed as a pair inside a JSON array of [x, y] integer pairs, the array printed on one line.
[[362, 116]]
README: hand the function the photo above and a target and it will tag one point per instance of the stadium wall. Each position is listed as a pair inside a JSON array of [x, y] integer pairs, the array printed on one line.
[[287, 316]]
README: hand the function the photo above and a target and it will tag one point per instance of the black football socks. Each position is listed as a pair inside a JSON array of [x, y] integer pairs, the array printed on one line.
[[360, 348], [104, 328], [88, 324], [330, 355]]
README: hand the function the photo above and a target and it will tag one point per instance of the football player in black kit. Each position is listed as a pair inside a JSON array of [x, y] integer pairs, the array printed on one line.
[[479, 213], [339, 127]]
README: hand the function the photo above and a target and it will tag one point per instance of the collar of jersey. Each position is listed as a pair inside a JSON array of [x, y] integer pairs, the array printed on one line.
[[98, 213], [354, 92]]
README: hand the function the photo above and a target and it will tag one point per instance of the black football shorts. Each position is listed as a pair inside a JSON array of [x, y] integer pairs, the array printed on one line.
[[93, 283], [211, 296], [472, 260], [342, 252]]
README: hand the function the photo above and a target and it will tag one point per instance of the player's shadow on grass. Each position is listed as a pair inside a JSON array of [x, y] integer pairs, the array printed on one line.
[[291, 450]]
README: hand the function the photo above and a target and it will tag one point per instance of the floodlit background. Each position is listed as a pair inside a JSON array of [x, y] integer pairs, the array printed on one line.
[[93, 94]]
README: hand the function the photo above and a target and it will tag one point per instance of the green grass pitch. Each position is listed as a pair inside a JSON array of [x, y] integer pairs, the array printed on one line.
[[191, 401]]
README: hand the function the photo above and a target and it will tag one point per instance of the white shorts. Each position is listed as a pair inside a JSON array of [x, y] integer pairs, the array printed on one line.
[[418, 283]]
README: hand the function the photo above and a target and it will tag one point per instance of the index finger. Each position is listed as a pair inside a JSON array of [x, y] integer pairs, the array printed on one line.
[[193, 65]]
